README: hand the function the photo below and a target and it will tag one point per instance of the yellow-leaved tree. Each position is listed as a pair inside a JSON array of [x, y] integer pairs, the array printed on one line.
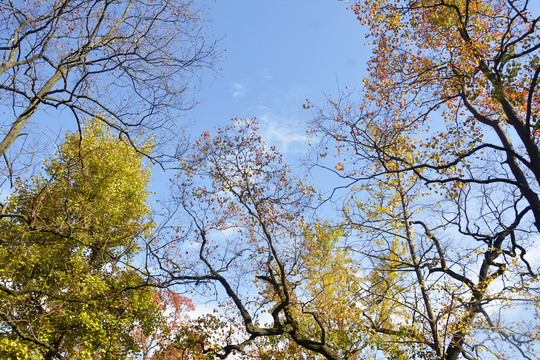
[[69, 287]]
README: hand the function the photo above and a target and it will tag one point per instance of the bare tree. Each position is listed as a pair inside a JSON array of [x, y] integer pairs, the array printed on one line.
[[245, 234], [126, 62]]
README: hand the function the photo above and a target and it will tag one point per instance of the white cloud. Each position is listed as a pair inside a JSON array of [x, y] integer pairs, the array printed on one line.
[[533, 253], [287, 135], [202, 310], [238, 90]]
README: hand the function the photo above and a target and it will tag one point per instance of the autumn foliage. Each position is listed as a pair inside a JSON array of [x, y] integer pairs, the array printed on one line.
[[418, 238], [69, 237]]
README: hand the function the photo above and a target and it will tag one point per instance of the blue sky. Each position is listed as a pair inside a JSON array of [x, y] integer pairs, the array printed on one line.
[[275, 55]]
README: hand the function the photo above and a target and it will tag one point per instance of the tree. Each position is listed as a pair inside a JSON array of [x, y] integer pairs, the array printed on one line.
[[448, 262], [181, 337], [70, 234], [245, 222], [69, 287], [462, 198], [290, 284], [127, 63], [411, 270]]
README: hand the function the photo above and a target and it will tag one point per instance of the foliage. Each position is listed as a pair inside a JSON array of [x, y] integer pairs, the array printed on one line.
[[441, 157], [68, 240], [181, 336], [473, 64], [437, 183]]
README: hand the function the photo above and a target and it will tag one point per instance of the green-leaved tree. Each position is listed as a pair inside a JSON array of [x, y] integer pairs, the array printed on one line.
[[69, 287]]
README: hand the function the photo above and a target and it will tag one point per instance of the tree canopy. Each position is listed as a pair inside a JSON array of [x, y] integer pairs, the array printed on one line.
[[69, 287], [424, 247]]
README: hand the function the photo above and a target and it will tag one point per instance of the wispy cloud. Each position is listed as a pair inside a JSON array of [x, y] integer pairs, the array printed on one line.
[[286, 134], [238, 90]]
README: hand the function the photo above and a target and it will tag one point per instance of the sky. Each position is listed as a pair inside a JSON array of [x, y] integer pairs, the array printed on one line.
[[275, 55]]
